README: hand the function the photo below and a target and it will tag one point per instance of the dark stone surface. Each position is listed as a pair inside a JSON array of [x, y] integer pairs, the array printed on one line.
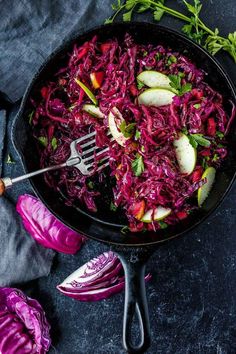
[[192, 293]]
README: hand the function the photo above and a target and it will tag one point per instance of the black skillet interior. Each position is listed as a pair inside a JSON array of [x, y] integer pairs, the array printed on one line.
[[105, 225]]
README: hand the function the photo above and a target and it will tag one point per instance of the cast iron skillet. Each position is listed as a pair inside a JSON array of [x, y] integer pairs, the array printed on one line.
[[133, 249]]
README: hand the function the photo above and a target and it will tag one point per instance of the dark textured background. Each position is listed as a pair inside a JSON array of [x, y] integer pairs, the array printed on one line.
[[192, 293]]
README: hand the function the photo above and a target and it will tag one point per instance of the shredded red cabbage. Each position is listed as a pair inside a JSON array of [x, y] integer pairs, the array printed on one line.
[[59, 118]]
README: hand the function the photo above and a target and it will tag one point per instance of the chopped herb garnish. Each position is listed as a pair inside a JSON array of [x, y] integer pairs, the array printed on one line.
[[43, 141], [138, 165], [54, 143], [90, 184], [215, 158], [140, 84], [158, 56], [127, 130], [9, 159], [185, 131], [145, 53], [113, 207], [220, 135], [142, 148], [199, 139], [31, 116], [204, 163], [172, 59], [197, 105], [163, 225], [178, 88], [192, 141], [137, 135]]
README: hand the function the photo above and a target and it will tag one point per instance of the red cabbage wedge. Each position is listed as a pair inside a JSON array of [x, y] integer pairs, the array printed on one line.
[[45, 228], [23, 326], [96, 280]]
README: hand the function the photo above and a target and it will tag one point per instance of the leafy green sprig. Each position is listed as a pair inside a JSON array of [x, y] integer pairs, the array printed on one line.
[[194, 27]]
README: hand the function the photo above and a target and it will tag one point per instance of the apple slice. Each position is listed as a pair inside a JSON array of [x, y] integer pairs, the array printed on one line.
[[115, 118], [160, 213], [156, 97], [186, 154], [203, 191], [87, 91], [153, 78], [93, 110]]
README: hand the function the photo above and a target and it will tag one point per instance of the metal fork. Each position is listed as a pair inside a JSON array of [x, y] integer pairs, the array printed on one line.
[[84, 161]]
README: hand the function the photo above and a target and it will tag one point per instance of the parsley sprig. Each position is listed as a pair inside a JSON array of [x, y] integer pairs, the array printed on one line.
[[198, 139], [178, 88], [138, 165], [127, 130], [194, 27]]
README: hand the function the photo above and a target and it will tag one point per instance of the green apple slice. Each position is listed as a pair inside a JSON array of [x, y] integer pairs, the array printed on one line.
[[156, 97], [203, 191], [186, 154], [153, 78], [160, 213], [117, 135], [87, 91], [93, 110]]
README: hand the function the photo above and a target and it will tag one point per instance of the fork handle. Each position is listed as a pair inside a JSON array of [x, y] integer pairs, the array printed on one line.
[[7, 182]]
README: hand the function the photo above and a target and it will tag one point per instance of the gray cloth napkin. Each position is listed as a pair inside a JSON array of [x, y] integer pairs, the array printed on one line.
[[21, 258]]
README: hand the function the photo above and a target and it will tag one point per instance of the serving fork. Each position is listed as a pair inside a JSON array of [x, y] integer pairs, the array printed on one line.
[[83, 160]]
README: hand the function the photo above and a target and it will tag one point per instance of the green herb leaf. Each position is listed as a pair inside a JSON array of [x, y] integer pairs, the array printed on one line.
[[43, 141], [113, 207], [201, 140], [187, 29], [157, 14], [9, 159], [172, 59], [215, 158], [130, 4], [107, 21], [54, 143], [144, 7], [158, 56], [175, 81], [185, 88], [31, 116], [137, 135], [140, 84], [192, 141], [145, 53], [185, 131], [127, 130], [197, 105], [163, 225], [220, 135], [127, 16], [90, 184], [138, 165]]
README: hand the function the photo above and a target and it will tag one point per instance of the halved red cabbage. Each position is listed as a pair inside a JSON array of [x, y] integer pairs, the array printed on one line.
[[23, 326], [97, 279], [45, 228]]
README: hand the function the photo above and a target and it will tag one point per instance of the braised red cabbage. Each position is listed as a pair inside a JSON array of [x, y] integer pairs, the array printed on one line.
[[45, 228], [145, 169], [23, 326]]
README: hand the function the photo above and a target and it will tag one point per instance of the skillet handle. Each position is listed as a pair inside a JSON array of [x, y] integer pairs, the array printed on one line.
[[135, 300]]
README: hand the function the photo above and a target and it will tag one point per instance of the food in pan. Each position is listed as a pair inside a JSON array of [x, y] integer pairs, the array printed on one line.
[[168, 127]]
